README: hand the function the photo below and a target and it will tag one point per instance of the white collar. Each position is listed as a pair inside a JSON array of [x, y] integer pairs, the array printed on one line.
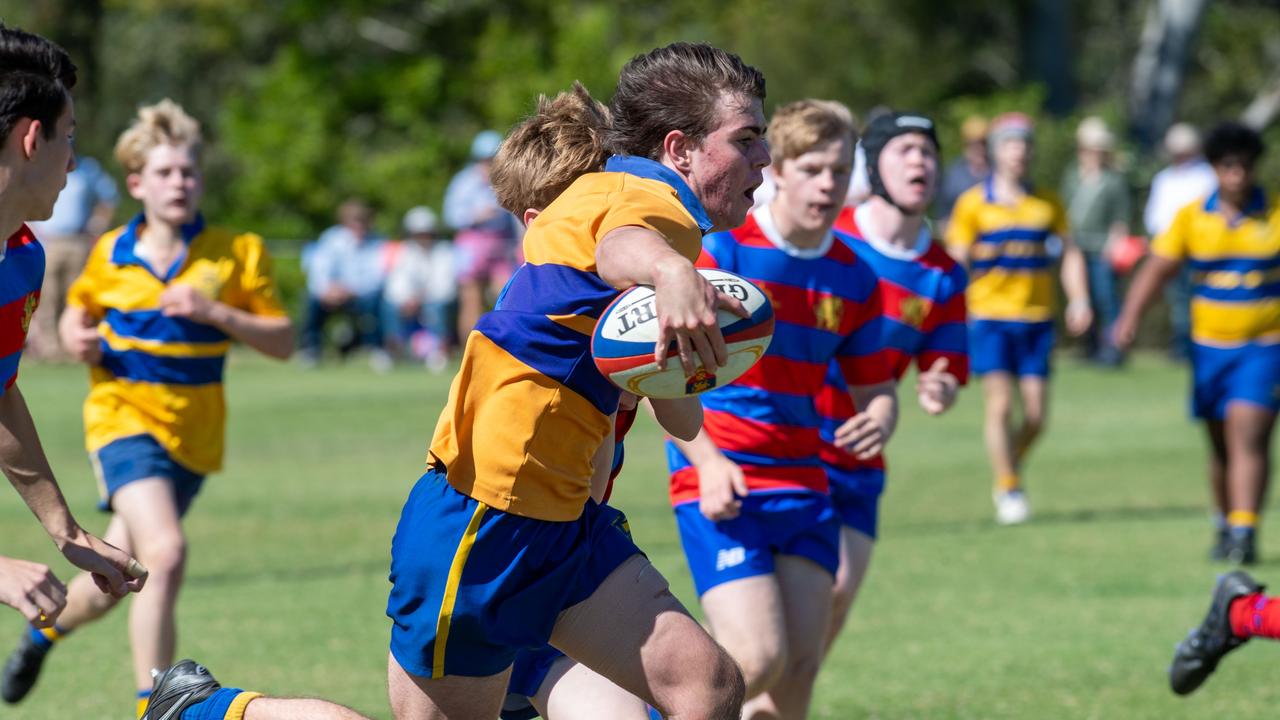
[[888, 249], [764, 218]]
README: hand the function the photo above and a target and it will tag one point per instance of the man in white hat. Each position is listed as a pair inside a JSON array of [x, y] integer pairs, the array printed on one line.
[[1188, 178], [1097, 202]]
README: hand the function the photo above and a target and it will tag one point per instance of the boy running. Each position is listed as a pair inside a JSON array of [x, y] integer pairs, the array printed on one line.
[[1231, 240], [500, 545], [750, 493], [1000, 229], [154, 314], [922, 321]]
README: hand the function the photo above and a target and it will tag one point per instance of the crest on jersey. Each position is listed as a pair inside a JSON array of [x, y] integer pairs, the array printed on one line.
[[29, 309], [912, 310], [206, 280], [828, 312], [700, 381]]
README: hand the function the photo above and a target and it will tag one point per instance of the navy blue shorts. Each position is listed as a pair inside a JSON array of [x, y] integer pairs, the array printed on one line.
[[139, 457], [1220, 376], [471, 586], [784, 522], [1018, 348], [856, 497]]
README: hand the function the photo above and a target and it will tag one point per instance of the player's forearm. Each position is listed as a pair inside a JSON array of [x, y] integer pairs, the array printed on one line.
[[880, 402], [700, 450], [681, 418], [1151, 278], [959, 253], [1075, 277], [269, 335], [24, 463], [636, 256]]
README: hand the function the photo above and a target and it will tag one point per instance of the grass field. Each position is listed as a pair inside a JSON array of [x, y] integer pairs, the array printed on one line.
[[1072, 616]]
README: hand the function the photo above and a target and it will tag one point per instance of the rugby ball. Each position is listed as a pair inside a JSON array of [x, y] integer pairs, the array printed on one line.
[[627, 332]]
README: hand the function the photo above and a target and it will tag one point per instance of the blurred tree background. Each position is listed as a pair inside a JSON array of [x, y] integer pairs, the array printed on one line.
[[306, 102]]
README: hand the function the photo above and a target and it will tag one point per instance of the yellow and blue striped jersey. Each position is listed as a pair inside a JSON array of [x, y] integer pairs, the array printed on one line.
[[528, 408], [1010, 270], [1235, 269], [162, 376]]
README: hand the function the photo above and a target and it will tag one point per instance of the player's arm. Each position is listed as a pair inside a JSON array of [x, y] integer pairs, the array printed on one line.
[[681, 418], [602, 464], [271, 335], [720, 480], [961, 231], [1075, 284], [1156, 270], [866, 433], [23, 462], [686, 302]]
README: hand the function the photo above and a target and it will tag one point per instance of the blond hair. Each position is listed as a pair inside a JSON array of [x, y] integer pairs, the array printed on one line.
[[542, 156], [164, 123], [801, 126]]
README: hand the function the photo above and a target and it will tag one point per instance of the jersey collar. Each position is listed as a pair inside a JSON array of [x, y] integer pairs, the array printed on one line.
[[989, 188], [653, 170], [1257, 205], [123, 252]]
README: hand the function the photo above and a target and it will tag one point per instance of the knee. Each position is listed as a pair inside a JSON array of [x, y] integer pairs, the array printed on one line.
[[165, 558], [719, 697]]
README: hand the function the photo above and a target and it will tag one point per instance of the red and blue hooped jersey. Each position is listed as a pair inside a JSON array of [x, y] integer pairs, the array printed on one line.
[[21, 275], [826, 307], [923, 320]]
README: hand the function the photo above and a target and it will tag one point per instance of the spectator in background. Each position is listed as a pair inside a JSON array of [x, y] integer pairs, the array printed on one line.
[[422, 291], [83, 212], [346, 270], [1097, 200], [971, 168], [1188, 178], [487, 236]]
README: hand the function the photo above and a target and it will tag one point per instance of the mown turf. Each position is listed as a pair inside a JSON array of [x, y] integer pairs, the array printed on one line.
[[1073, 616]]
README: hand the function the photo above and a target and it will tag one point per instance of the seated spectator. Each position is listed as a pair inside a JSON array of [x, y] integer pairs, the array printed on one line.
[[422, 291], [346, 271]]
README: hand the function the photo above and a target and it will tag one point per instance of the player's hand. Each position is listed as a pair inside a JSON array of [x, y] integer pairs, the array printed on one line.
[[1079, 317], [184, 301], [936, 388], [686, 304], [862, 435], [113, 571], [85, 343], [1124, 331], [33, 590], [335, 296], [721, 487], [628, 401]]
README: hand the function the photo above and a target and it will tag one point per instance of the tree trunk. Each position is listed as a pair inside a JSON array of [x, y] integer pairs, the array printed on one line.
[[1160, 66]]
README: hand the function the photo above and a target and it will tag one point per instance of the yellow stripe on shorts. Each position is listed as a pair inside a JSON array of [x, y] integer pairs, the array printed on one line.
[[451, 589]]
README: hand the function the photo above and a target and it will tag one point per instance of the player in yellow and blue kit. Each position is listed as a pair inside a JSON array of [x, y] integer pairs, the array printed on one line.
[[499, 546], [1231, 241], [1002, 228], [154, 314]]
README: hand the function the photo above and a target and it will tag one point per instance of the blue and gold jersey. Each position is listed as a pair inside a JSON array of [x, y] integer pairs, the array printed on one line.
[[162, 376], [1235, 269], [1010, 270], [21, 274], [528, 409]]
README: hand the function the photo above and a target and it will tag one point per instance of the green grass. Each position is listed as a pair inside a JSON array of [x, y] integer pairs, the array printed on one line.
[[1073, 616]]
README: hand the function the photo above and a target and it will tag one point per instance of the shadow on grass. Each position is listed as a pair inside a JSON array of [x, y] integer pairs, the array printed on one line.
[[1051, 518], [291, 574]]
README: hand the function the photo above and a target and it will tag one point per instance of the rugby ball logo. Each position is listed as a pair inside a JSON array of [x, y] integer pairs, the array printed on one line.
[[627, 331]]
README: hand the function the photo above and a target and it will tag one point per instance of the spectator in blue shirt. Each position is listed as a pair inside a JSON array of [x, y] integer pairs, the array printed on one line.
[[346, 269]]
